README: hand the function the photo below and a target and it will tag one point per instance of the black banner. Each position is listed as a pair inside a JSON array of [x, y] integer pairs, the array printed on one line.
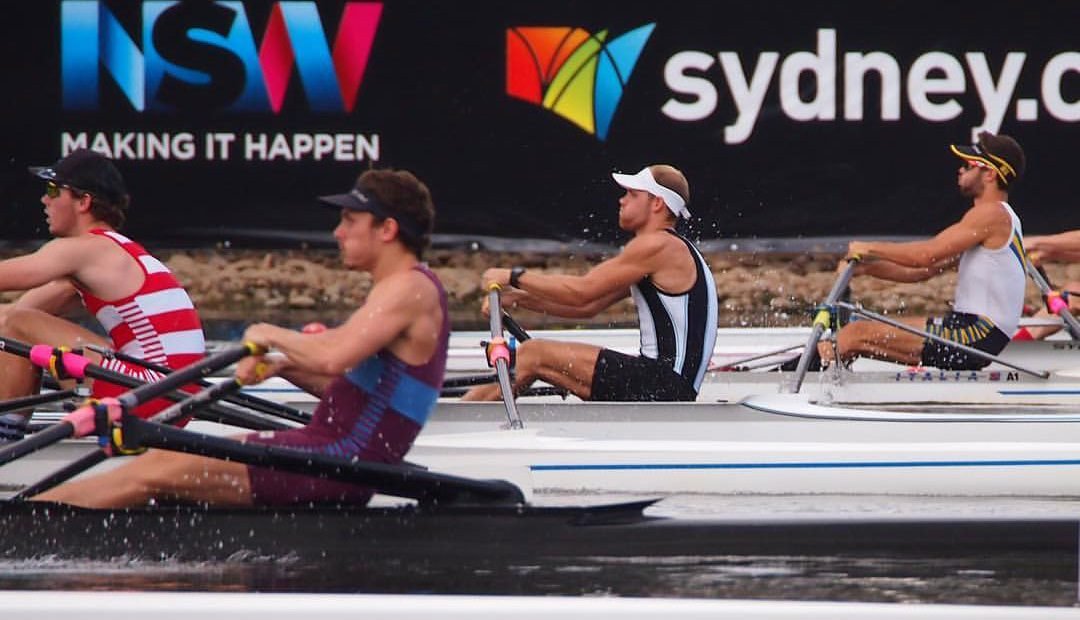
[[789, 119]]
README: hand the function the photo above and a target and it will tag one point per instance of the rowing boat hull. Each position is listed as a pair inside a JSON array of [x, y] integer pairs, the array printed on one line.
[[727, 449], [694, 448]]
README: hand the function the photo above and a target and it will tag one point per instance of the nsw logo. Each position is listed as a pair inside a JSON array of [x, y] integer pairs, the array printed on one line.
[[203, 55], [577, 75]]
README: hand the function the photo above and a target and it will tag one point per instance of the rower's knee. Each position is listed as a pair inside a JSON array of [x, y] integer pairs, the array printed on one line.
[[855, 338], [12, 319], [529, 357]]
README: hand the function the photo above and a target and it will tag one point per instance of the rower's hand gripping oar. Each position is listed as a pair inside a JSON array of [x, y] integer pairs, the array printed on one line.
[[1055, 301], [84, 420], [498, 354], [822, 320]]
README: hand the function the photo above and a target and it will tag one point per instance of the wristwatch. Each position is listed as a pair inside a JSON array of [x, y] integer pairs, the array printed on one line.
[[515, 276]]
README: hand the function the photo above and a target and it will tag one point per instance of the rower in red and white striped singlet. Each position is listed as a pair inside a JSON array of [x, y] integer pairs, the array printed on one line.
[[158, 323]]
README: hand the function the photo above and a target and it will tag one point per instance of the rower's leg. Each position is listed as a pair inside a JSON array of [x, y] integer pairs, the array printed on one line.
[[873, 339], [18, 377], [159, 475], [568, 365], [1038, 333]]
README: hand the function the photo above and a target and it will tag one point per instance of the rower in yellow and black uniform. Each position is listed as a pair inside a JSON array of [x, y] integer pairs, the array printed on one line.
[[987, 243]]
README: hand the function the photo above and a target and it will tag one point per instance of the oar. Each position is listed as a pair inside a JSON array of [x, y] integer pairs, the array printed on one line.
[[515, 328], [23, 402], [1054, 301], [469, 381], [237, 398], [397, 480], [822, 320], [169, 415], [77, 366], [548, 390], [82, 421], [450, 386], [499, 356], [759, 356], [1042, 374]]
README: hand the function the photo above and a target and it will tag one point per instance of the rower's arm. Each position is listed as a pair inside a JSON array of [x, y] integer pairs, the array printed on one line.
[[887, 270], [583, 311], [58, 259], [310, 382], [58, 298], [391, 308], [1062, 247], [977, 225], [639, 258]]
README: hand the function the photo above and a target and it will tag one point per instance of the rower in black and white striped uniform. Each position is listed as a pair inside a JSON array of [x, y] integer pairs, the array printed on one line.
[[986, 245], [672, 288]]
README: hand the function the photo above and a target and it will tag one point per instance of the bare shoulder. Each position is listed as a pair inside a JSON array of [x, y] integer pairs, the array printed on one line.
[[652, 242], [989, 212], [409, 288], [985, 223], [85, 248]]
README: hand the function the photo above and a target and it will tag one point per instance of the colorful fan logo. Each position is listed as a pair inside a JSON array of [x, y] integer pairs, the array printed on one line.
[[573, 73]]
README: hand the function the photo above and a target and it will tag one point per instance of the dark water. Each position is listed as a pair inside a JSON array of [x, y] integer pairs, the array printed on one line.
[[1022, 579], [1019, 577]]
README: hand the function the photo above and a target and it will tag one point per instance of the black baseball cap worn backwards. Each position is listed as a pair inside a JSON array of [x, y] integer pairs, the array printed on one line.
[[359, 200], [1002, 154], [87, 171]]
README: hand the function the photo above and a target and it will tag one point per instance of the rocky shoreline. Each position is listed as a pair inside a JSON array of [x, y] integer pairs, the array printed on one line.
[[762, 290]]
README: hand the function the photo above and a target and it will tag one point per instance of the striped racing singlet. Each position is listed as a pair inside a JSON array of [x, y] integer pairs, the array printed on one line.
[[158, 323], [679, 329]]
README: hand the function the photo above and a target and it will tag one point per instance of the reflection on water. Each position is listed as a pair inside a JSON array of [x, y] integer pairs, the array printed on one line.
[[1016, 580], [1028, 578]]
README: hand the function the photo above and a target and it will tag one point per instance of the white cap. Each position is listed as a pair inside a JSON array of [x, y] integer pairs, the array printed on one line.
[[645, 182]]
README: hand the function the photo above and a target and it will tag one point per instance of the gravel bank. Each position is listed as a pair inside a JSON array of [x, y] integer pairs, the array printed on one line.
[[754, 289]]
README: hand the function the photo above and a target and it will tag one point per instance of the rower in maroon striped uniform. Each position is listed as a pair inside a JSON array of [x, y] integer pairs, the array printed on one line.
[[145, 311], [378, 375]]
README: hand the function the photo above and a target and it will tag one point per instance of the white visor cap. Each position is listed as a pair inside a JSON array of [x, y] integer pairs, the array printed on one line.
[[645, 182]]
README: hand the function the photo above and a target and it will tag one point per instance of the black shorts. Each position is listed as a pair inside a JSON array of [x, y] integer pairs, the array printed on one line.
[[972, 330], [621, 377]]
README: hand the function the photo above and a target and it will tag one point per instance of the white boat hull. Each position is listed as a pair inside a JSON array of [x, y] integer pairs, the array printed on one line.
[[734, 450], [727, 449]]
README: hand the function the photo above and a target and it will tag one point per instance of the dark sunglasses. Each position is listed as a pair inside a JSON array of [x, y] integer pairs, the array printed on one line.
[[52, 190]]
